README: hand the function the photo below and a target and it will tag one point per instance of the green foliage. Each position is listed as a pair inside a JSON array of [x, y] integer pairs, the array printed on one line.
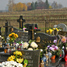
[[25, 61], [47, 4], [33, 5]]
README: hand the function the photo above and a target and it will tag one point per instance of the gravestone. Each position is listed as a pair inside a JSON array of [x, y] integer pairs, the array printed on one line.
[[21, 21], [22, 36], [4, 56], [62, 26], [33, 57], [45, 39], [31, 30]]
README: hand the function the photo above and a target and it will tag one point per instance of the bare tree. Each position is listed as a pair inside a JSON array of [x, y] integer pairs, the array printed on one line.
[[10, 5]]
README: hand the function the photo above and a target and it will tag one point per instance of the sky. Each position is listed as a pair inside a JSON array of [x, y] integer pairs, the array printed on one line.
[[3, 3]]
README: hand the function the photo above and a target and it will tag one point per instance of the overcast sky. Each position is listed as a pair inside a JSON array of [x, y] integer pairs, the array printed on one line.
[[3, 3]]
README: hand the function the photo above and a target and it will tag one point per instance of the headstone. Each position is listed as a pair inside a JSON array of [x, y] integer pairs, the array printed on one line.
[[62, 26], [31, 30], [33, 57], [21, 21], [3, 56], [43, 39], [22, 36]]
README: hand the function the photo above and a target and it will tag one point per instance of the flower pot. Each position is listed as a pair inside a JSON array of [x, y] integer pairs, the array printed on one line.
[[53, 57], [53, 60]]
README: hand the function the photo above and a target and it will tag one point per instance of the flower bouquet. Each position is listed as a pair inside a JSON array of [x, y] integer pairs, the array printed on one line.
[[30, 46], [12, 37], [10, 64], [17, 56]]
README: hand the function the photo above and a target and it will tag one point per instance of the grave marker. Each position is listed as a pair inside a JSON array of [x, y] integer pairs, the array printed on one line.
[[21, 21], [31, 30], [6, 29], [63, 26], [43, 39]]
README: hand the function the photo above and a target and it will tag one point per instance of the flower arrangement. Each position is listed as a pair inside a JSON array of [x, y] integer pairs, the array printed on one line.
[[17, 56], [31, 45], [64, 41], [50, 31], [53, 49], [12, 37], [10, 64]]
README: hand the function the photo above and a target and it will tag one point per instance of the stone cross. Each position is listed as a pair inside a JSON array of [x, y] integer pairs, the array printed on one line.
[[6, 29], [21, 20], [31, 30]]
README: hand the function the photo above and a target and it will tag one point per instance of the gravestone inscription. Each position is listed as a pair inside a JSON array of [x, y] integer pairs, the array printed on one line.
[[22, 36], [45, 39]]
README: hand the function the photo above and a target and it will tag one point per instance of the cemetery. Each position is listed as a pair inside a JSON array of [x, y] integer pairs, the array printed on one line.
[[27, 47]]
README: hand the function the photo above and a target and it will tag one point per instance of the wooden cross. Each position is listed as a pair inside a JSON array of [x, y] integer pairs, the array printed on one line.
[[21, 20]]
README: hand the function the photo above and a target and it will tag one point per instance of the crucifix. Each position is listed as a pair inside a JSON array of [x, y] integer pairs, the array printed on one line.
[[31, 30], [6, 29], [21, 21]]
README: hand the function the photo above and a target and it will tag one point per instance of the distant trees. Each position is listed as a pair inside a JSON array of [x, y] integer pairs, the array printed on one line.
[[46, 4], [56, 6], [39, 4], [18, 7]]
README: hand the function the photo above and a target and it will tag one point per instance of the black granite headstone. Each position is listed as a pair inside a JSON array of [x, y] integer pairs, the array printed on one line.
[[46, 39], [22, 36], [31, 30]]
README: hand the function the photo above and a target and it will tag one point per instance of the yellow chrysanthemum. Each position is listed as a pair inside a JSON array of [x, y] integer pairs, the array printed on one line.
[[54, 28], [17, 53], [50, 31], [19, 60], [11, 58], [47, 31], [10, 35]]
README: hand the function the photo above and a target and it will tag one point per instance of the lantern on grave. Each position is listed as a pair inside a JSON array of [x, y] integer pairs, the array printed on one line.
[[38, 39]]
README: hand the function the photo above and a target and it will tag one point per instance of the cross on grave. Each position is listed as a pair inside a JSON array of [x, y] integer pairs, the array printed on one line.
[[31, 31], [6, 29], [21, 20]]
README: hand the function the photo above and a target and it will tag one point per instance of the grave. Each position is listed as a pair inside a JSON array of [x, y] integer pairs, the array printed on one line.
[[43, 39], [21, 21], [62, 26], [31, 30]]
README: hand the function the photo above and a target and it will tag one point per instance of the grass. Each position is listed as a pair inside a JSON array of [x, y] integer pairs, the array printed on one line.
[[35, 17]]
